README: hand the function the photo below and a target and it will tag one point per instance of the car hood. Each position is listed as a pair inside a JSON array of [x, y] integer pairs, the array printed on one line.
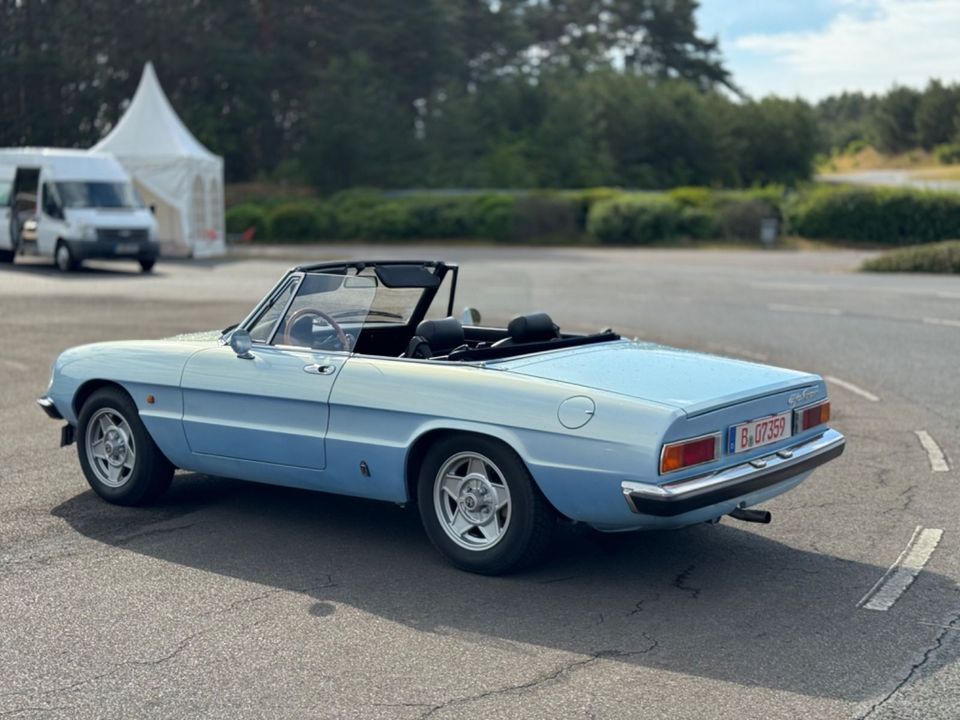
[[691, 381], [111, 218]]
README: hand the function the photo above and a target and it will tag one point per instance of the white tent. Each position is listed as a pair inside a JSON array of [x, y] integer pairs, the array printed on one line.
[[171, 169]]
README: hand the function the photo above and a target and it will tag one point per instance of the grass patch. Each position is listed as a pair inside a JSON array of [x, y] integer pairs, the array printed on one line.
[[941, 257]]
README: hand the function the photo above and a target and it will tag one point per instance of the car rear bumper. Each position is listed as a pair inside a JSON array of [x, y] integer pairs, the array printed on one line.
[[691, 494], [106, 249]]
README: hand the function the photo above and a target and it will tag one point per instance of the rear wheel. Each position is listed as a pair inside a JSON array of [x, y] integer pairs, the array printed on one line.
[[118, 457], [147, 265], [480, 506], [64, 258], [6, 256]]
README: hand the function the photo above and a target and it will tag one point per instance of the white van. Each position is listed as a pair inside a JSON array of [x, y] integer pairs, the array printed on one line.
[[71, 205]]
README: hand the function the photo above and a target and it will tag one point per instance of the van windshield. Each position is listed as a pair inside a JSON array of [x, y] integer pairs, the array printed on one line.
[[98, 195]]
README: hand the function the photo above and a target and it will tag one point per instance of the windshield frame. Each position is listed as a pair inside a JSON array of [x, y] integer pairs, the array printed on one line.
[[438, 268]]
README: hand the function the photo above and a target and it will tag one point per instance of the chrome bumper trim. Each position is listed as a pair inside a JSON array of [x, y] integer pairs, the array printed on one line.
[[675, 498], [46, 404]]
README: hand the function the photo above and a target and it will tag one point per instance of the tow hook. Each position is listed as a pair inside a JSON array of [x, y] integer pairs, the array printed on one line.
[[747, 515]]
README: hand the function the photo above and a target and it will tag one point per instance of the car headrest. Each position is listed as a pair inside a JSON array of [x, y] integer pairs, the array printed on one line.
[[443, 334], [532, 327]]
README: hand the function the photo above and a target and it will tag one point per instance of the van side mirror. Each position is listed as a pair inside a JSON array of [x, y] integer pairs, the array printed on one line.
[[240, 343], [153, 209]]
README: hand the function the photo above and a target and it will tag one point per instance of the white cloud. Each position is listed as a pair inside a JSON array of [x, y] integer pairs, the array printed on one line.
[[870, 45]]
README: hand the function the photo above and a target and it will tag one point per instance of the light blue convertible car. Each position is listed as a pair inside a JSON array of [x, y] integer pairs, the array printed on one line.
[[352, 378]]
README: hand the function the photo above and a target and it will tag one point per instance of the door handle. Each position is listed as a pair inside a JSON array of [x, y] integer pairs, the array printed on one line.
[[316, 369]]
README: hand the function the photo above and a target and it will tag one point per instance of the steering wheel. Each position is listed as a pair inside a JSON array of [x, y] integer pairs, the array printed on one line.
[[311, 312]]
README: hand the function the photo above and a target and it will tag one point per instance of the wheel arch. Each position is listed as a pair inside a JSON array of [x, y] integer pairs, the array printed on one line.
[[421, 444], [89, 387]]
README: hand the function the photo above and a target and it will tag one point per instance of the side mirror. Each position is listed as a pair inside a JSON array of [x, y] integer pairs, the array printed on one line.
[[240, 343], [469, 316], [153, 209]]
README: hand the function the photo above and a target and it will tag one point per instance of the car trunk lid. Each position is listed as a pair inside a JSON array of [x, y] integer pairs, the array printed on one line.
[[693, 382]]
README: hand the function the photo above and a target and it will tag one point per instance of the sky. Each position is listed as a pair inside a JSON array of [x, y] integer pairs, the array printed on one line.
[[815, 48]]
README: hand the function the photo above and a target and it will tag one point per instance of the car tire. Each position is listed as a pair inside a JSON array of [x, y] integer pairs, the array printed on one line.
[[6, 256], [118, 457], [64, 259], [147, 265], [480, 506]]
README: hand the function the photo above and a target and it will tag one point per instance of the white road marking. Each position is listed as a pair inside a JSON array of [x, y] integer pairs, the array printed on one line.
[[902, 573], [938, 463], [14, 364], [777, 307], [942, 321], [856, 390]]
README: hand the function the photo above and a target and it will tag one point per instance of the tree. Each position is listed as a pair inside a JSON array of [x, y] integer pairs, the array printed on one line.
[[894, 121], [935, 114]]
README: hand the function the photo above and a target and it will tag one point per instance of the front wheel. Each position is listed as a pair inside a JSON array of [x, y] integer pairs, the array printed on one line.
[[6, 256], [64, 258], [147, 265], [117, 454], [480, 506]]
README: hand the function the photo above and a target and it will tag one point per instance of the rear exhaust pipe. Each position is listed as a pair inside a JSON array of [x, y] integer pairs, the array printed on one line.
[[748, 515]]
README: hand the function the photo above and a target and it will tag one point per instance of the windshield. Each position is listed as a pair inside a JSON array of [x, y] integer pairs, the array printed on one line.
[[98, 195], [318, 311]]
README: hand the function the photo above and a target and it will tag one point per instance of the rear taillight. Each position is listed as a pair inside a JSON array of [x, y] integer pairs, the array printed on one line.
[[687, 453], [807, 417]]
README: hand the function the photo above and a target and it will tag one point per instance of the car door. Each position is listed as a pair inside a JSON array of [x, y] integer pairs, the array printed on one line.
[[272, 408]]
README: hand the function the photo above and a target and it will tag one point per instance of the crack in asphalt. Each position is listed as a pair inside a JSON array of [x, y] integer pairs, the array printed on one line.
[[680, 582], [18, 711], [536, 682], [326, 582], [915, 667], [907, 494]]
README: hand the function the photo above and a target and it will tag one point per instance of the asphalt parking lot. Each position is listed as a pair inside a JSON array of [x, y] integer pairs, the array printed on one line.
[[231, 599]]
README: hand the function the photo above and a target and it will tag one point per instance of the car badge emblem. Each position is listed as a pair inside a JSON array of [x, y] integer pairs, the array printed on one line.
[[124, 233], [800, 397]]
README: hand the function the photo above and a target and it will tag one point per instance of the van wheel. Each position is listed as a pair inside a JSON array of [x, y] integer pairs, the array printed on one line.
[[6, 256], [64, 258], [147, 265], [481, 508]]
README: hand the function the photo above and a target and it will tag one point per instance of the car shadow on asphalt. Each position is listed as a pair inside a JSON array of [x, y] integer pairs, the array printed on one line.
[[714, 601]]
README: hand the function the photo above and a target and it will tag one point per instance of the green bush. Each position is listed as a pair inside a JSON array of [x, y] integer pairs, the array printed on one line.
[[634, 220], [295, 222], [388, 221], [942, 257], [240, 218], [544, 217], [350, 209], [582, 200], [698, 224], [742, 218], [948, 153], [489, 216], [876, 216], [692, 197]]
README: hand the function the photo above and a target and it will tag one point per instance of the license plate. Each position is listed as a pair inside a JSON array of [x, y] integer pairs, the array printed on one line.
[[755, 433], [123, 248]]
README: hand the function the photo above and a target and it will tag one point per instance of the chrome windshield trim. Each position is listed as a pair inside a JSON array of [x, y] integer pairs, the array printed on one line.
[[774, 463]]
